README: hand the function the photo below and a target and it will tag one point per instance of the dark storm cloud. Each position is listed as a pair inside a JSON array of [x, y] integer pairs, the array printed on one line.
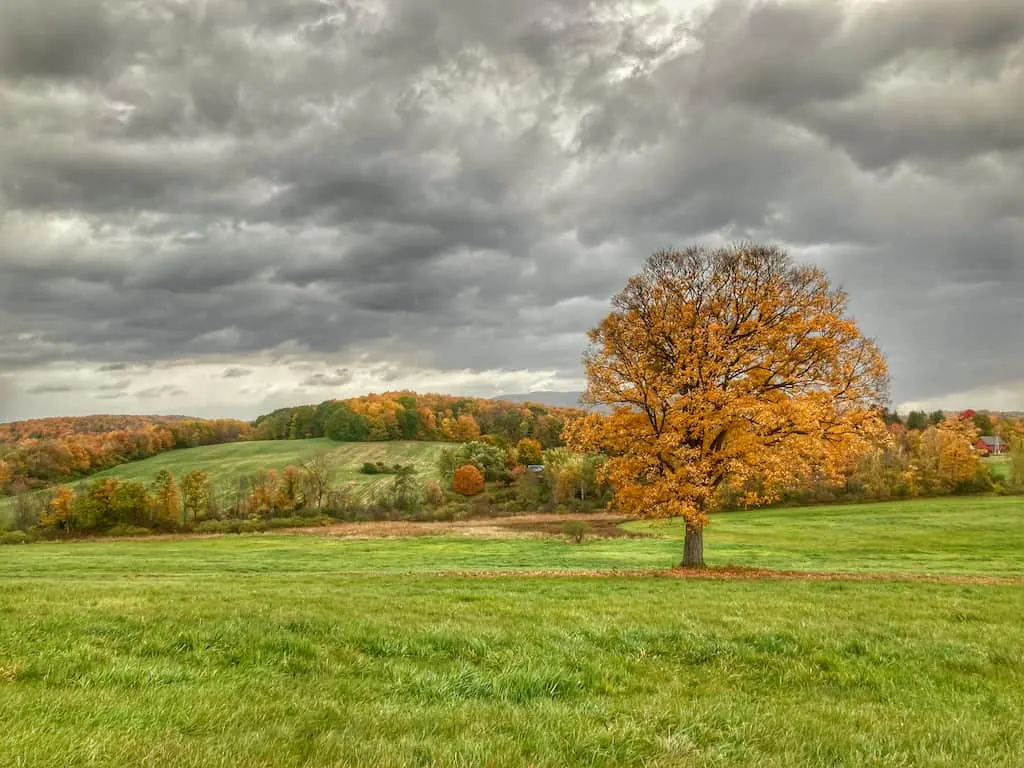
[[59, 39], [462, 185]]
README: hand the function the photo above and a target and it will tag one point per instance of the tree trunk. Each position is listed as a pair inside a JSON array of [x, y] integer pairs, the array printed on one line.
[[693, 548]]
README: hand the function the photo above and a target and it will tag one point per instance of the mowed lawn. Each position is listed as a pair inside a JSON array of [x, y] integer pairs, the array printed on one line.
[[226, 463], [280, 650]]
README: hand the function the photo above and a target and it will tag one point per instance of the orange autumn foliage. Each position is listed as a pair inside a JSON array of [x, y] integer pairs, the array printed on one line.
[[945, 456], [39, 452], [59, 510], [467, 481], [719, 365]]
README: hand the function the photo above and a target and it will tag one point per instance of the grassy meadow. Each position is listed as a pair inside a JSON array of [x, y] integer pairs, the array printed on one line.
[[286, 650], [227, 462], [951, 534], [999, 466]]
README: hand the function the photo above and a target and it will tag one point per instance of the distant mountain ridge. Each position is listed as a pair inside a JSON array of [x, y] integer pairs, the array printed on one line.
[[545, 397], [554, 399]]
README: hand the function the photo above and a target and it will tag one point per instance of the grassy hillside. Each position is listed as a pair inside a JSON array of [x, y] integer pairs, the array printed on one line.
[[226, 463], [265, 651]]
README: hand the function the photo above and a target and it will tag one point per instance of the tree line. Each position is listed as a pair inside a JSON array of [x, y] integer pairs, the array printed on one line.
[[985, 422], [41, 452], [412, 416], [476, 478], [900, 462]]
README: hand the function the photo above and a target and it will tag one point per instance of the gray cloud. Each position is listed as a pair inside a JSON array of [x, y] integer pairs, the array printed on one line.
[[236, 373], [339, 378], [462, 185], [49, 389], [64, 39], [167, 390]]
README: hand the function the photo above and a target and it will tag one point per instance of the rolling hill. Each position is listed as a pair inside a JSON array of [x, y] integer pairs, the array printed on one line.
[[226, 463]]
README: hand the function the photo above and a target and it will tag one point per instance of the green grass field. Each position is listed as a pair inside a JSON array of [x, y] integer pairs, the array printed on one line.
[[964, 534], [226, 463], [279, 650], [999, 466]]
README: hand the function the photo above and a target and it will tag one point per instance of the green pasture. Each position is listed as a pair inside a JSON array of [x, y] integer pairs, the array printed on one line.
[[274, 650]]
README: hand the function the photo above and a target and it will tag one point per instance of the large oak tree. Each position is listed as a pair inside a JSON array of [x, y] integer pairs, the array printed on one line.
[[723, 365]]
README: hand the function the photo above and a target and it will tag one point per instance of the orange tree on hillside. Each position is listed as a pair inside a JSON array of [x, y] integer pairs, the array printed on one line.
[[468, 480], [720, 366]]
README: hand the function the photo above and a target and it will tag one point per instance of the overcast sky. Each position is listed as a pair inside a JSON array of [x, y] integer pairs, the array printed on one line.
[[216, 207]]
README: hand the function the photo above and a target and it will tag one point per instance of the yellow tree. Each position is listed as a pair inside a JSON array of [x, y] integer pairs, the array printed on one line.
[[466, 428], [529, 451], [945, 458], [194, 496], [722, 365], [59, 511], [166, 498], [289, 489]]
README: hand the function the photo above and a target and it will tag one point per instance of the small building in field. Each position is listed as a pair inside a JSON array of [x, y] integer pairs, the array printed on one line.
[[991, 445]]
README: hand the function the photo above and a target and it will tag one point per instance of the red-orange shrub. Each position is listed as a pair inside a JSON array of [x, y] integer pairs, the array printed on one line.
[[467, 480]]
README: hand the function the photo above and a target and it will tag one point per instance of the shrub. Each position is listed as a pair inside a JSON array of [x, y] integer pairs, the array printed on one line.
[[215, 526], [380, 468], [298, 522], [576, 530], [481, 506], [468, 481], [488, 459], [14, 537], [128, 530], [232, 526], [433, 494]]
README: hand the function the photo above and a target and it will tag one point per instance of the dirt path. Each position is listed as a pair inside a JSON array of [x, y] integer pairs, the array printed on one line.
[[743, 574], [529, 526]]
